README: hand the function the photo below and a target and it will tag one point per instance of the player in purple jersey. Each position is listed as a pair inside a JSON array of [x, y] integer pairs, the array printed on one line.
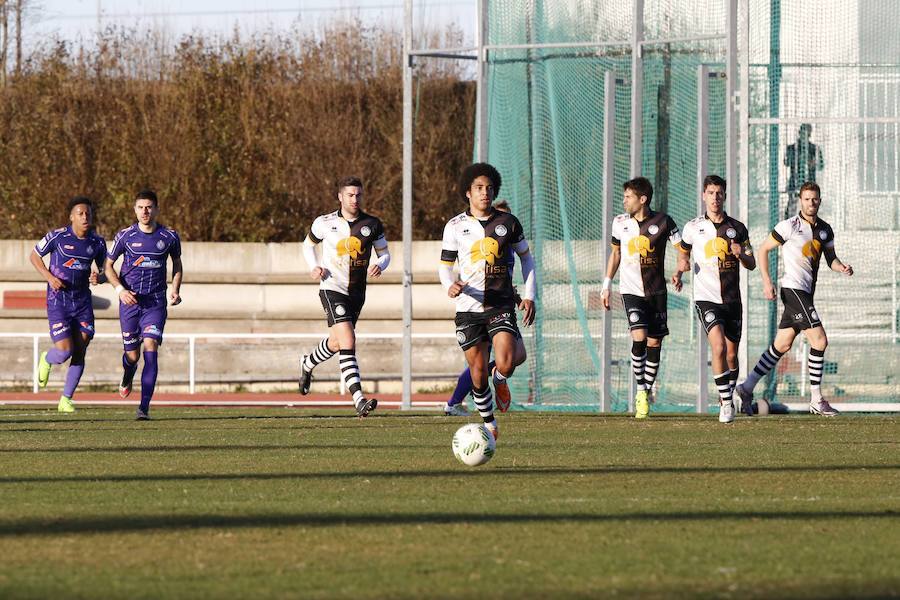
[[72, 249], [141, 286]]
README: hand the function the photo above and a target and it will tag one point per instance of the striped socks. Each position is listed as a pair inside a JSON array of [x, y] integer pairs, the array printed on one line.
[[320, 354], [815, 363], [350, 373], [767, 361], [638, 360]]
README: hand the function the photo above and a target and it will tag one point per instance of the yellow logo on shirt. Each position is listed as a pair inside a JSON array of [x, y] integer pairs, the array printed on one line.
[[640, 244], [812, 249], [486, 249], [351, 246], [717, 247]]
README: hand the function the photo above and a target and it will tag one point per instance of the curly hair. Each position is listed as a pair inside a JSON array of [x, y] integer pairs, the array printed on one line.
[[473, 172]]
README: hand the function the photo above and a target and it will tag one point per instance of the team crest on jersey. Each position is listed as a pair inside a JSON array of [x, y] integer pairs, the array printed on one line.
[[460, 336], [365, 230], [731, 233], [339, 310], [653, 229], [812, 249], [90, 249], [823, 234], [500, 230], [641, 244], [486, 249], [709, 317], [351, 246], [634, 317], [717, 247], [160, 245], [814, 315]]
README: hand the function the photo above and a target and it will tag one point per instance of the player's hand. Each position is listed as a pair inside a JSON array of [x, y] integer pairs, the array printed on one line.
[[736, 249], [128, 297], [94, 278], [175, 297], [676, 281], [847, 270], [374, 271], [769, 290], [604, 298], [319, 274], [456, 289], [56, 283], [527, 308]]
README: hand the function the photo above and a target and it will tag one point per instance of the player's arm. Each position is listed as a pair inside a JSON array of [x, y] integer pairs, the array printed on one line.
[[38, 263], [126, 296], [834, 262], [177, 275], [526, 258], [612, 267], [680, 264], [383, 258], [769, 245], [743, 250], [99, 276], [449, 252], [316, 270]]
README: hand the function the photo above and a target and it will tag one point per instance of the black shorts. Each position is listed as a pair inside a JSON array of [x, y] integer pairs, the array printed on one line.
[[475, 327], [647, 313], [799, 311], [340, 308], [727, 315]]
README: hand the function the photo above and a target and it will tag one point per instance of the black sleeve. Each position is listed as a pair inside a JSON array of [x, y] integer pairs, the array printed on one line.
[[448, 256]]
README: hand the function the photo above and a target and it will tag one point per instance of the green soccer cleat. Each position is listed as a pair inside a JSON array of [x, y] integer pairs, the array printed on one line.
[[65, 405], [641, 405], [43, 370]]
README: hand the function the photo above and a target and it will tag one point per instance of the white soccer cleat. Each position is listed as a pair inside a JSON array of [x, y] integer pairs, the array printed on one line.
[[726, 412], [456, 410], [822, 408]]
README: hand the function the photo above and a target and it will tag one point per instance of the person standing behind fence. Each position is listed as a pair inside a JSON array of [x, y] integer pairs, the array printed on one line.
[[146, 247], [803, 238], [70, 311], [348, 236]]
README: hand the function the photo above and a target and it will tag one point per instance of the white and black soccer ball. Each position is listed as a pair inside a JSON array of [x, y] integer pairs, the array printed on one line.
[[473, 444]]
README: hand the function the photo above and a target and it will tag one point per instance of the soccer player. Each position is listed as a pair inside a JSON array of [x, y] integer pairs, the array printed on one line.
[[804, 238], [481, 239], [348, 236], [643, 234], [141, 286], [455, 406], [723, 245], [70, 313]]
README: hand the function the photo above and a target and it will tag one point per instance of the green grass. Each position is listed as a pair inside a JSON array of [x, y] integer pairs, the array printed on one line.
[[279, 503]]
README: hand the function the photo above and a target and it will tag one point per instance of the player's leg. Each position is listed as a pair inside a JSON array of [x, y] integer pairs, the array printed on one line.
[[343, 334], [651, 363], [477, 356], [504, 343], [80, 344], [657, 329], [784, 338], [818, 343], [61, 336], [454, 406], [152, 323], [717, 348], [731, 363], [638, 359], [326, 348], [129, 323]]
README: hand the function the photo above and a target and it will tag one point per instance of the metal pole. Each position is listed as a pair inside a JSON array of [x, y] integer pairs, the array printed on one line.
[[406, 402], [637, 83], [609, 191], [702, 167], [744, 178], [774, 75], [731, 99], [481, 94]]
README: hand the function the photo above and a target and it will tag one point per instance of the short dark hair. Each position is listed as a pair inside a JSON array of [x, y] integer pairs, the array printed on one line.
[[473, 172], [640, 186], [72, 203], [810, 185], [349, 181], [147, 194], [714, 180]]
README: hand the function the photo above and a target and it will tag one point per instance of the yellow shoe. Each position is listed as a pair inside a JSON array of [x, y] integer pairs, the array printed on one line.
[[65, 405], [43, 370], [641, 405]]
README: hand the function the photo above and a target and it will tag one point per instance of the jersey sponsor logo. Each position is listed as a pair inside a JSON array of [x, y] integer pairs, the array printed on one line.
[[653, 229], [146, 263], [731, 233], [717, 247], [812, 249], [137, 244], [500, 317], [486, 249], [500, 230], [55, 325], [365, 230], [152, 329], [75, 265], [351, 246], [68, 247], [160, 245], [86, 325], [640, 245]]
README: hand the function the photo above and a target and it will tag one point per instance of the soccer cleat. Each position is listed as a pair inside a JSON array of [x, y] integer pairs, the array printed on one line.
[[305, 376], [746, 399], [823, 408], [65, 405], [364, 407], [726, 412], [43, 370], [501, 393], [141, 416], [493, 428], [641, 405], [125, 387], [456, 410]]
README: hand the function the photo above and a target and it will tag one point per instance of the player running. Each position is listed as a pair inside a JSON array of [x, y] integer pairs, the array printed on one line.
[[70, 312], [141, 286], [804, 238], [643, 234], [455, 406], [722, 245], [348, 236], [480, 240]]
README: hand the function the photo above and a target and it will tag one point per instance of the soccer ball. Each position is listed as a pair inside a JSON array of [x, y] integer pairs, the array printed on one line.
[[473, 444]]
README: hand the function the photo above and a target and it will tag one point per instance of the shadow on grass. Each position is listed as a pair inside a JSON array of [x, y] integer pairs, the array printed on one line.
[[126, 523], [220, 448], [421, 474]]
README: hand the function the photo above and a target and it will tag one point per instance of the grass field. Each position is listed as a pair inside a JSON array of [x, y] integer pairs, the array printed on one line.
[[278, 503]]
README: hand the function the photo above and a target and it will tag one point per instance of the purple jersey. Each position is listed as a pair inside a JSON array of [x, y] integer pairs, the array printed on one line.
[[144, 266], [70, 261]]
